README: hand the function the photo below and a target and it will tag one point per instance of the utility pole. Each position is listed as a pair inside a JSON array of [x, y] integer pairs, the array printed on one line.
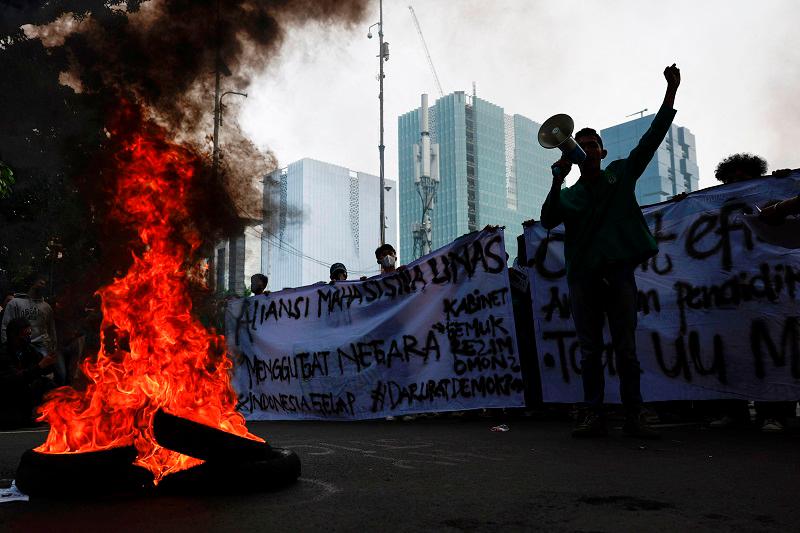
[[217, 61], [220, 69], [381, 147], [383, 55]]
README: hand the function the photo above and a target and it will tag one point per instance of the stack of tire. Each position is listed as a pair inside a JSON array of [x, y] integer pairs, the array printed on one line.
[[231, 464]]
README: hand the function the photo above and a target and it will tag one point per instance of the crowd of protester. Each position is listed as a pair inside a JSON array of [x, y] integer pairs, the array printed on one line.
[[717, 414], [601, 258], [40, 350]]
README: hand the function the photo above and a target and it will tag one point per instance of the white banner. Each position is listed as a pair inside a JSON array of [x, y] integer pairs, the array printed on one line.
[[718, 306], [437, 335]]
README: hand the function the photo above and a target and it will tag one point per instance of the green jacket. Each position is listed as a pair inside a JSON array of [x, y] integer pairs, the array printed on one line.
[[603, 222]]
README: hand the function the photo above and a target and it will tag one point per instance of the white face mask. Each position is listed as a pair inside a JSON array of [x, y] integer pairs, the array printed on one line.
[[388, 261]]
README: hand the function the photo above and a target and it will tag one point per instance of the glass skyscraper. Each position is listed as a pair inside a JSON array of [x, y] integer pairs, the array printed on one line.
[[491, 167], [672, 170], [326, 214], [320, 214]]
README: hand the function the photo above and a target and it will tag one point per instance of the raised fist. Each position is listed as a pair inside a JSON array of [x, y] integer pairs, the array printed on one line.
[[673, 76]]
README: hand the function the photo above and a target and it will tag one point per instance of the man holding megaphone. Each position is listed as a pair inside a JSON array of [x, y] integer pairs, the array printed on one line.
[[605, 238]]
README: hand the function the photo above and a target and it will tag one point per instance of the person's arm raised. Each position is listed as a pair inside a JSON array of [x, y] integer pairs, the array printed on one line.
[[673, 76], [640, 156]]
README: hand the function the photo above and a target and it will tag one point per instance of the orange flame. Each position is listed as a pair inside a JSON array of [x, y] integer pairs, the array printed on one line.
[[154, 353]]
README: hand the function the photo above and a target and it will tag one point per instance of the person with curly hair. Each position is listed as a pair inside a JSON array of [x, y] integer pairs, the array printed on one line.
[[740, 167], [771, 416]]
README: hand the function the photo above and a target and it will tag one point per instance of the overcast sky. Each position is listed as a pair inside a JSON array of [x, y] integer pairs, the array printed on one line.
[[598, 61]]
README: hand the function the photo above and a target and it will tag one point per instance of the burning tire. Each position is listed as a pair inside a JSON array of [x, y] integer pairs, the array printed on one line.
[[73, 475], [205, 442], [280, 469]]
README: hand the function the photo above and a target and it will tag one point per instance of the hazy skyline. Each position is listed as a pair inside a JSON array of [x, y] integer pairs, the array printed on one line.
[[597, 61]]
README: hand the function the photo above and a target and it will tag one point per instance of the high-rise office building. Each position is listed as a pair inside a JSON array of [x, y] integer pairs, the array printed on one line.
[[672, 170], [326, 214], [491, 170], [320, 214]]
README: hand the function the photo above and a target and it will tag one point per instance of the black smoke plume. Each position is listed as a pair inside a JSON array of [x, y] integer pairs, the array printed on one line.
[[67, 65]]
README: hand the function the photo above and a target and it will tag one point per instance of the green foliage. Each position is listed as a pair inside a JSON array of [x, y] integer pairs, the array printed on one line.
[[6, 180], [48, 138]]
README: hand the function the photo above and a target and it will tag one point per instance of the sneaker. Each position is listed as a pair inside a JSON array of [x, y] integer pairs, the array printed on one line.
[[636, 427], [390, 418], [408, 418], [590, 425], [725, 422], [772, 425]]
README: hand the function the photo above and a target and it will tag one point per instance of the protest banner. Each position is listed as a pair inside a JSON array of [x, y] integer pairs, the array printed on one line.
[[437, 335], [718, 305]]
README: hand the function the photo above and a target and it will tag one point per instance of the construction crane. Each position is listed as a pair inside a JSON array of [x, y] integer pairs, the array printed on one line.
[[640, 113], [427, 54]]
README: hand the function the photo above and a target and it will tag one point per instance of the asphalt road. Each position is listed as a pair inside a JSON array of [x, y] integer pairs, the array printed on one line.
[[447, 474]]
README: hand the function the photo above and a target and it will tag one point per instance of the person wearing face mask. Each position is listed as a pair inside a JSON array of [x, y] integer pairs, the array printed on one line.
[[387, 258]]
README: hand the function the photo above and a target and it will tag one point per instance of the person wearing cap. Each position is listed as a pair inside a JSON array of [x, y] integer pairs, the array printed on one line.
[[338, 272]]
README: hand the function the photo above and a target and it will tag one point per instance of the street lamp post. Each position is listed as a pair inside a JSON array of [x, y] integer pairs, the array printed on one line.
[[383, 55], [221, 107], [218, 122], [220, 69]]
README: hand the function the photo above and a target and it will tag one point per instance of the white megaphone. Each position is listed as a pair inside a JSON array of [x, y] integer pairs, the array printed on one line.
[[556, 132]]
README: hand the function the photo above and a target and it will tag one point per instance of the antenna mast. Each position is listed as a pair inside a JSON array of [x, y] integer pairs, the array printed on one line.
[[426, 179]]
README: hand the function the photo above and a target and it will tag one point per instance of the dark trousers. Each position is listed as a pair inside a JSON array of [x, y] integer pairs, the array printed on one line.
[[610, 293]]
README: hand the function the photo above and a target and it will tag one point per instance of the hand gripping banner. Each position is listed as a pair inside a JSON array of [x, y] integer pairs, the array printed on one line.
[[437, 335]]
